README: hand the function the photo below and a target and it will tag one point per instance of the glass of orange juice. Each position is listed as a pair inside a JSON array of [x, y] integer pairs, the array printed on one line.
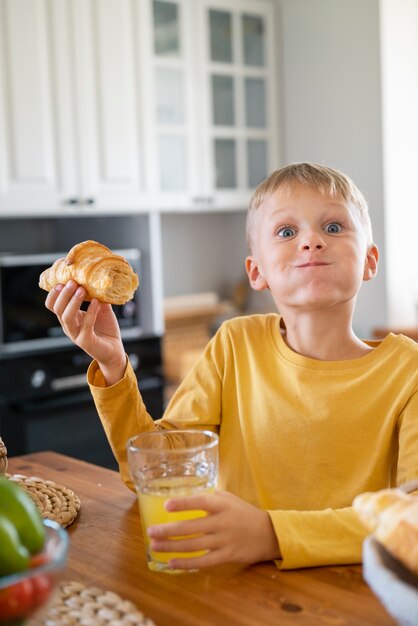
[[166, 464]]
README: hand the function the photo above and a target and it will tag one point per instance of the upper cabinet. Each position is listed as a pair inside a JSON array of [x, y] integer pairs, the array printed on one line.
[[213, 102], [135, 104], [70, 106], [239, 97]]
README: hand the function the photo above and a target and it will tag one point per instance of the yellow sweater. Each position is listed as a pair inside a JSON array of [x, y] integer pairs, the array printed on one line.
[[298, 437]]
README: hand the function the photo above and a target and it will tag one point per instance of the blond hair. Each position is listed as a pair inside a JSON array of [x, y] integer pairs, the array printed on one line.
[[326, 180]]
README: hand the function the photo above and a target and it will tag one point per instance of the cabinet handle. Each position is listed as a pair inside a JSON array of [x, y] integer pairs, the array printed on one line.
[[203, 200], [73, 201]]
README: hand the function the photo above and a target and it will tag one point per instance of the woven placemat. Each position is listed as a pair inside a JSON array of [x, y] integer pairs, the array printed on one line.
[[55, 502], [75, 604]]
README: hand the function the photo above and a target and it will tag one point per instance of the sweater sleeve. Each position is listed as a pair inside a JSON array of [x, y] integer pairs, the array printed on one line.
[[335, 536], [315, 538], [122, 412], [195, 404], [407, 468]]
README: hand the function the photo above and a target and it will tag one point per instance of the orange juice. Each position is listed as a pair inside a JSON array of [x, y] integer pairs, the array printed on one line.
[[152, 510]]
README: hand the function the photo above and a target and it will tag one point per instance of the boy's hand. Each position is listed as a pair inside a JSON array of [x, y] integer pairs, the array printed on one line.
[[232, 532], [96, 331]]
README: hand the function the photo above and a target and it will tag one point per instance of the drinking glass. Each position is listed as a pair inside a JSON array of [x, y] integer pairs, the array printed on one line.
[[168, 464]]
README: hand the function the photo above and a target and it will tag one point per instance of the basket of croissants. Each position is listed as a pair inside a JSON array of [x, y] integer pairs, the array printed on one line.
[[390, 552]]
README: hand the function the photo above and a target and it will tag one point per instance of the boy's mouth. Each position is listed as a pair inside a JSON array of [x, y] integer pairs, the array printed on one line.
[[312, 264]]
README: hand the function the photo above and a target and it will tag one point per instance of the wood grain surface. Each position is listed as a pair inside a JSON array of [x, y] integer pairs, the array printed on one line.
[[107, 551]]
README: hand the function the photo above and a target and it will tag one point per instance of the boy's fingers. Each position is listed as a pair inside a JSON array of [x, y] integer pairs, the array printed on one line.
[[90, 316], [64, 297], [92, 311], [198, 526], [207, 503], [52, 296], [71, 303], [187, 544]]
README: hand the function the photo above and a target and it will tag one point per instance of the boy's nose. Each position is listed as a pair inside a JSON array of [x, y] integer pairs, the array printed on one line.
[[312, 241], [308, 246]]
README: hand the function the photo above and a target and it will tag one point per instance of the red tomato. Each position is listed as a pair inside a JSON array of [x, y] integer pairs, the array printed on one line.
[[38, 559], [23, 598], [42, 587], [16, 601]]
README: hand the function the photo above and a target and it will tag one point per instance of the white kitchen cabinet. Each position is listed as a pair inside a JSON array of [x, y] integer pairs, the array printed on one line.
[[127, 105], [37, 149], [169, 107], [212, 105], [70, 110]]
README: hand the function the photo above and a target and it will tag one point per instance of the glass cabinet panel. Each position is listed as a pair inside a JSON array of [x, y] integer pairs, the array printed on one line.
[[255, 102], [169, 90], [220, 25], [166, 28], [223, 100], [225, 164], [256, 161], [171, 114], [253, 40], [173, 162]]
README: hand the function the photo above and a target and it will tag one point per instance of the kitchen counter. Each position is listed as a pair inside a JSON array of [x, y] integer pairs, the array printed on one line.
[[107, 551]]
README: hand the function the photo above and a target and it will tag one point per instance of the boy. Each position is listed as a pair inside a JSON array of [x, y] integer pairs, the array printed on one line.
[[308, 415]]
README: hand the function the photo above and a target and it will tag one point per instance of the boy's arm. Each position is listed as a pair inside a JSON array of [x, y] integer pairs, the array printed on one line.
[[331, 536], [315, 538], [123, 413], [407, 467]]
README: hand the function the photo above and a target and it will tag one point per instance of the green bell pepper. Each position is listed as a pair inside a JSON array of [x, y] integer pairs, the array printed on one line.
[[22, 532]]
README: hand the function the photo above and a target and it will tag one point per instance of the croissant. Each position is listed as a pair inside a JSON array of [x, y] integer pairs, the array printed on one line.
[[393, 517], [105, 276]]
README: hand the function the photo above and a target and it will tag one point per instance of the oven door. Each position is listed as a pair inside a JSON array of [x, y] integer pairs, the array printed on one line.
[[67, 423], [45, 403]]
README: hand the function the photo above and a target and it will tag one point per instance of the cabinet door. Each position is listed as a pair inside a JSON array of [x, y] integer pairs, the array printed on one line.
[[173, 167], [238, 102], [37, 139], [211, 131], [70, 110], [109, 96]]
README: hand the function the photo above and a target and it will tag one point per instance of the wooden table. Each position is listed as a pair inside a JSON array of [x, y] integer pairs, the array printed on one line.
[[107, 551]]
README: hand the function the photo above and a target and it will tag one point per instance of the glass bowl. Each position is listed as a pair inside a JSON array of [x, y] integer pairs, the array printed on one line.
[[23, 594]]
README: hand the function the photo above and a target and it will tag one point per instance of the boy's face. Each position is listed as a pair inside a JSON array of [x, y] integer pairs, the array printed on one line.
[[309, 249]]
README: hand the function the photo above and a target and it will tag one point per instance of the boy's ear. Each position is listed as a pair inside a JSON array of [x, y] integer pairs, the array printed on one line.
[[256, 278], [370, 263]]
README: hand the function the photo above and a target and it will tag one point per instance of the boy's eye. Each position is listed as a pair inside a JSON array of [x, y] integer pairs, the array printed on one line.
[[286, 232], [334, 227]]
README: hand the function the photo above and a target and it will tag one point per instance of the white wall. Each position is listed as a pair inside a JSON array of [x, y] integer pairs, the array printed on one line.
[[331, 107], [399, 28], [203, 252]]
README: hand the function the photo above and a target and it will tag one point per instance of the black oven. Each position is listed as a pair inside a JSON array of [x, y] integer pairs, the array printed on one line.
[[45, 403]]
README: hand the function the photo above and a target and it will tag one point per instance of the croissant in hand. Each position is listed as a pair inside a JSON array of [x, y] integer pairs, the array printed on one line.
[[104, 275]]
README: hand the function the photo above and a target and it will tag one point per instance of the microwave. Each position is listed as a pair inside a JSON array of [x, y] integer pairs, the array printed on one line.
[[26, 325]]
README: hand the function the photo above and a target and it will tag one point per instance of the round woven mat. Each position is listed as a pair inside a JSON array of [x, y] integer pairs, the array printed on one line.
[[77, 605], [54, 501]]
